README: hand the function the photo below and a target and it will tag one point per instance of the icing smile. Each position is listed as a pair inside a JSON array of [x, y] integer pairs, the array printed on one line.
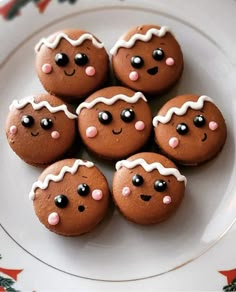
[[81, 208], [117, 132], [145, 198], [204, 138], [69, 74], [153, 70], [34, 134]]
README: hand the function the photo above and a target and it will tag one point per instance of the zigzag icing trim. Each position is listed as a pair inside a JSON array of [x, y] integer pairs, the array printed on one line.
[[139, 37], [57, 178], [19, 104], [180, 111], [74, 43], [150, 167], [110, 101]]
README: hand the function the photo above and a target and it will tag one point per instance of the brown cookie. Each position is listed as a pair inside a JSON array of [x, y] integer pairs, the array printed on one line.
[[114, 122], [147, 58], [147, 188], [70, 197], [190, 129], [71, 63], [40, 128]]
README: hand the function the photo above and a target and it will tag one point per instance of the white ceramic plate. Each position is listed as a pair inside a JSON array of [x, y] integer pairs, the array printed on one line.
[[118, 250]]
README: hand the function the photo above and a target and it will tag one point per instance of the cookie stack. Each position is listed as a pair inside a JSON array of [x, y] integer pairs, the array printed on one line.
[[104, 102]]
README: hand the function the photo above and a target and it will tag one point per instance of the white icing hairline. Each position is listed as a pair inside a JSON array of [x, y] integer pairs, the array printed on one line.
[[180, 111], [149, 167], [56, 178], [110, 101], [139, 37], [74, 43], [19, 104]]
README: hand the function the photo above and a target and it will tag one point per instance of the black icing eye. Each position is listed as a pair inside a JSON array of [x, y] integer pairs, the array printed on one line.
[[182, 128], [46, 123], [199, 121], [160, 185], [127, 115], [105, 117], [61, 201], [158, 54], [137, 180], [137, 62], [61, 59], [81, 59], [27, 121], [83, 190]]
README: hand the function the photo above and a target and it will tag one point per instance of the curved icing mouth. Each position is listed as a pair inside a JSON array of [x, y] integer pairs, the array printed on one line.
[[117, 132], [153, 70], [145, 198], [204, 138], [34, 134], [81, 208], [69, 74]]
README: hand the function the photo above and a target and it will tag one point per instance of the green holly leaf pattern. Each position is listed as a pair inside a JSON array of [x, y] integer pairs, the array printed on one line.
[[231, 287], [7, 283]]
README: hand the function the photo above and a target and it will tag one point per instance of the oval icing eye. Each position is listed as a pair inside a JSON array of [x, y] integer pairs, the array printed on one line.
[[199, 121], [61, 59], [81, 59], [182, 128], [83, 189], [158, 54], [127, 115], [137, 180], [105, 117], [46, 123], [160, 185], [137, 61], [27, 121], [61, 201]]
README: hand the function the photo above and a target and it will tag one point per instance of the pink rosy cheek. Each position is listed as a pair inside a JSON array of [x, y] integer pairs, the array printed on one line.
[[97, 195], [173, 142], [167, 200], [133, 76], [13, 130], [126, 191], [53, 218], [170, 61], [139, 125], [91, 132], [90, 71], [47, 68], [213, 125], [55, 135]]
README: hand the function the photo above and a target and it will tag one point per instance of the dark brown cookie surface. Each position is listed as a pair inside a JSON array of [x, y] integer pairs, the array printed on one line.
[[147, 188], [71, 63], [147, 58], [190, 129], [40, 128], [71, 197], [114, 122]]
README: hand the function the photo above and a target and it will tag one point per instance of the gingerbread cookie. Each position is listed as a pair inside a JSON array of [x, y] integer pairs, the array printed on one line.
[[147, 58], [114, 122], [190, 129], [71, 63], [147, 188], [40, 128], [70, 197]]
